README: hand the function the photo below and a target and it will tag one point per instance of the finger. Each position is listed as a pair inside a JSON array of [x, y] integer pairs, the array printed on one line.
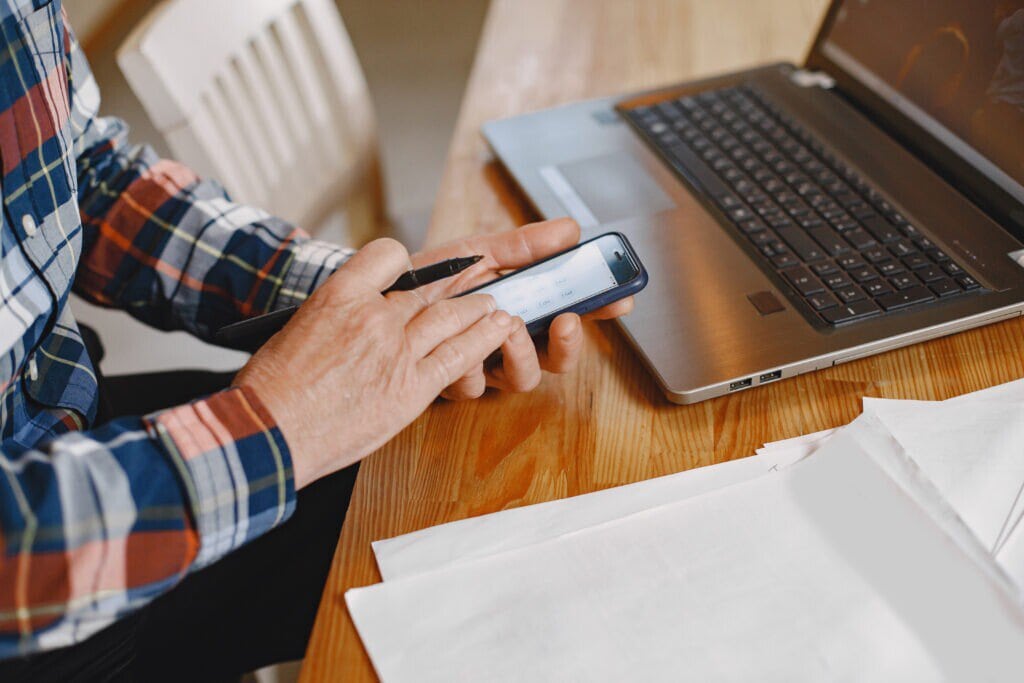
[[456, 356], [528, 244], [565, 343], [613, 310], [375, 267], [472, 385], [520, 368], [444, 320]]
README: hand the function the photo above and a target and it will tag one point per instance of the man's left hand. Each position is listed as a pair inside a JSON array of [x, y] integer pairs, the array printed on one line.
[[522, 362]]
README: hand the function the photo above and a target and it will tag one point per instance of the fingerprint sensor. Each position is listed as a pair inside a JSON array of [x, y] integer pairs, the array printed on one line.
[[766, 303]]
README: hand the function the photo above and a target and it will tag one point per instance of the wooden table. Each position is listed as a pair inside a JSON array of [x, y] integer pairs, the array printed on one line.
[[607, 424]]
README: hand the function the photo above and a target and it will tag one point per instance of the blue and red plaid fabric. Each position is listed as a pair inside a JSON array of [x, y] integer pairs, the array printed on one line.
[[96, 520]]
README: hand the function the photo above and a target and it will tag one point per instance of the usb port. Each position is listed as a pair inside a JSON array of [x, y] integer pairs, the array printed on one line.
[[741, 384], [771, 376]]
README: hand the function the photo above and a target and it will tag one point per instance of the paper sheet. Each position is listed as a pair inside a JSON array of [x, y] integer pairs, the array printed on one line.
[[826, 570], [973, 452], [434, 547], [437, 546]]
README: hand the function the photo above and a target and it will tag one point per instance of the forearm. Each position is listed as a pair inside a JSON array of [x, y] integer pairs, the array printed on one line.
[[172, 250], [96, 524]]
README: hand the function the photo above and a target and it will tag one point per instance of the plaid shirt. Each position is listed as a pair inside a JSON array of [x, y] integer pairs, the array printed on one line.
[[97, 519]]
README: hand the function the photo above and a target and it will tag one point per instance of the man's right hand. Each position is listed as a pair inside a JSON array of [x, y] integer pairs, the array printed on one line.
[[353, 367]]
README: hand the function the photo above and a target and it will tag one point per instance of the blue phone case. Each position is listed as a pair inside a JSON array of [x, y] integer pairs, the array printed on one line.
[[540, 326]]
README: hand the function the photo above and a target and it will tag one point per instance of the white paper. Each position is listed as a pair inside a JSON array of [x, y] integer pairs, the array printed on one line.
[[434, 547], [437, 546], [973, 452], [826, 570]]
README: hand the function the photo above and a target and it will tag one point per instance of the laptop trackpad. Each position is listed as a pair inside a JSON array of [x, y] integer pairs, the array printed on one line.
[[605, 189]]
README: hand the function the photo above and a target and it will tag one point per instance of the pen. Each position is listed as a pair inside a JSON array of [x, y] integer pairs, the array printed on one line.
[[252, 333], [432, 273]]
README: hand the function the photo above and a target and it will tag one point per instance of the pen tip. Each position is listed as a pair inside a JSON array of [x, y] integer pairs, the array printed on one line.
[[476, 259]]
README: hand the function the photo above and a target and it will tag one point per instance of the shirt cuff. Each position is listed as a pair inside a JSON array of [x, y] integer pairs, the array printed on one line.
[[235, 467], [312, 263]]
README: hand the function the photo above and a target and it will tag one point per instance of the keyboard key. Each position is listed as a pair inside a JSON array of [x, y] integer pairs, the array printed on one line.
[[851, 262], [803, 281], [784, 261], [752, 226], [953, 269], [967, 282], [902, 248], [728, 201], [806, 248], [904, 281], [830, 240], [909, 230], [904, 298], [850, 312], [849, 294], [884, 231], [823, 269], [823, 300], [930, 274], [837, 281], [915, 261], [937, 255], [859, 238], [944, 287], [862, 213], [877, 288], [864, 274], [890, 268], [876, 255], [844, 224]]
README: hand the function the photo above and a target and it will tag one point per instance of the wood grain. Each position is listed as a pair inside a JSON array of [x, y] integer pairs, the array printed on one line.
[[607, 424]]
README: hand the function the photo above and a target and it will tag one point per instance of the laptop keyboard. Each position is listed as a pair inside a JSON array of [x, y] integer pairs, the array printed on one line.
[[841, 246]]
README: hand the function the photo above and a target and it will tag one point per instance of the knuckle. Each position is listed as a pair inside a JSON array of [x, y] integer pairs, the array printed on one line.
[[390, 246], [419, 299], [450, 358], [448, 315]]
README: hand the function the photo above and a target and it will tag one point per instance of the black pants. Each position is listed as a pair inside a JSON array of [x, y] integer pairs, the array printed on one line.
[[252, 608]]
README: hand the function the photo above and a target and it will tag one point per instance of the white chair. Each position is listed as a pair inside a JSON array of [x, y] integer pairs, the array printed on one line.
[[266, 96]]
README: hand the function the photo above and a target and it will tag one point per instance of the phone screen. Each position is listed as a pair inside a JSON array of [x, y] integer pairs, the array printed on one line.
[[553, 285]]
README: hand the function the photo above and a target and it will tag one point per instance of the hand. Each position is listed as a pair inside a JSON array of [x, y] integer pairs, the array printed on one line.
[[522, 362], [353, 367]]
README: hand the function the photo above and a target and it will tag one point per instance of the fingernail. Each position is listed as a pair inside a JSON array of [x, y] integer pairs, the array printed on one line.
[[491, 302], [502, 318]]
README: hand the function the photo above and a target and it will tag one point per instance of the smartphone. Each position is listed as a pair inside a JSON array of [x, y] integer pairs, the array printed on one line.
[[584, 278]]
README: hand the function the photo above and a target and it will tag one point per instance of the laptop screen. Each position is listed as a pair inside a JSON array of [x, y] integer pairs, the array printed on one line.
[[955, 68]]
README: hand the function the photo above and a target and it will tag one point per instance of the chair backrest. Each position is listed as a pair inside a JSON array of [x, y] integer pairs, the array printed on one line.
[[267, 96]]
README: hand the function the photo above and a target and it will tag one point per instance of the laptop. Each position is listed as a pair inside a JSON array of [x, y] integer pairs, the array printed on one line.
[[793, 218]]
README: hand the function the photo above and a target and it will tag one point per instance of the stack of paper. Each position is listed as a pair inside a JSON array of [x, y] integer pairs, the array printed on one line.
[[889, 549]]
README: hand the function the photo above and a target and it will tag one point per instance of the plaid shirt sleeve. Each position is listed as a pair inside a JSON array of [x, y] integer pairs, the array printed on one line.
[[95, 523], [170, 248]]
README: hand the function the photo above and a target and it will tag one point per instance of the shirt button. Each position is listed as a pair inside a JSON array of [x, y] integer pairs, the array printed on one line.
[[33, 369], [29, 225]]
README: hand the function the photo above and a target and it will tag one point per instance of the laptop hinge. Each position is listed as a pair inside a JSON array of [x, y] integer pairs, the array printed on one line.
[[812, 79]]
